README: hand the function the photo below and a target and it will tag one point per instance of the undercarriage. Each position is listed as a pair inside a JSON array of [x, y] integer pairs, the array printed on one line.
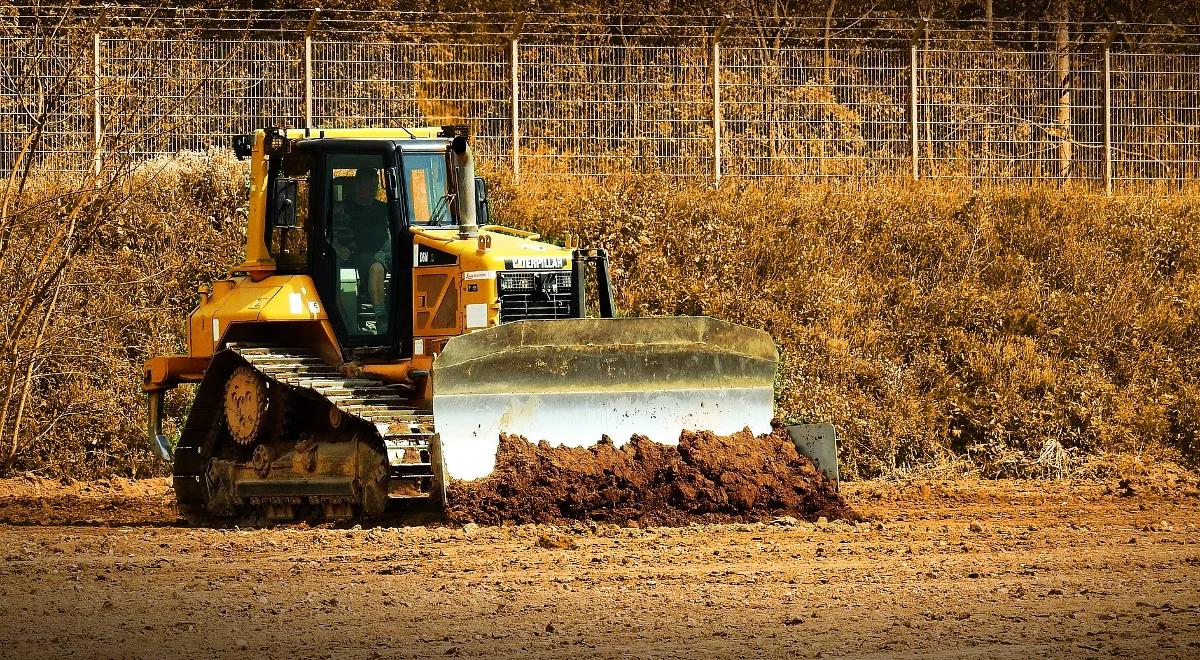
[[277, 434]]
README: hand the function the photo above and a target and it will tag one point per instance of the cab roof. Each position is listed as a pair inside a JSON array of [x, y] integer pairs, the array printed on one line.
[[340, 142], [439, 133]]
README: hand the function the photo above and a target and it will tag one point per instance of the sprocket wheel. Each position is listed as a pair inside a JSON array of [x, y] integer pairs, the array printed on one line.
[[245, 404]]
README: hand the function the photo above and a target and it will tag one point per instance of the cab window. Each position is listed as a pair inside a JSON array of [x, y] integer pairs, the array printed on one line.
[[425, 179]]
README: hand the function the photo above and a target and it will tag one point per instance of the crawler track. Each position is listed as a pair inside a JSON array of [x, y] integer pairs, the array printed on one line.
[[350, 420]]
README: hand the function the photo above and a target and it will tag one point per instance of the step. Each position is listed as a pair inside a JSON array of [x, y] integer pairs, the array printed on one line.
[[274, 358]]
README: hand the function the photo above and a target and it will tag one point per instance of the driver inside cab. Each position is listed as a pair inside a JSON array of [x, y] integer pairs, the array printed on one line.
[[364, 233]]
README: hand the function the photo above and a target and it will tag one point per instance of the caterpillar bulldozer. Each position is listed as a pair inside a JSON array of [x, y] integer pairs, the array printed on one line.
[[381, 334]]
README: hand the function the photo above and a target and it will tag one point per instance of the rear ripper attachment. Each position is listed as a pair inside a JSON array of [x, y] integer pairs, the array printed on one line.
[[278, 433]]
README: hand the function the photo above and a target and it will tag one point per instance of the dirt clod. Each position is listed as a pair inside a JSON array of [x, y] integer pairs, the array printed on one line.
[[740, 477], [556, 542]]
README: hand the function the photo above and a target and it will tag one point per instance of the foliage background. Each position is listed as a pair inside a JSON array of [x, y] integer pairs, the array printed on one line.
[[1015, 331], [1012, 331], [977, 323]]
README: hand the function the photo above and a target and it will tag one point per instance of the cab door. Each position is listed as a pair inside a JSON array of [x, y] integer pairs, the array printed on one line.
[[436, 279], [361, 271]]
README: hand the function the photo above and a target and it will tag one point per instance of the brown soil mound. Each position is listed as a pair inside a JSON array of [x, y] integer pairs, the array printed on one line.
[[707, 477]]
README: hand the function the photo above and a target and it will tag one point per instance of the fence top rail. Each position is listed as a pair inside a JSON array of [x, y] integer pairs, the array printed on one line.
[[294, 23]]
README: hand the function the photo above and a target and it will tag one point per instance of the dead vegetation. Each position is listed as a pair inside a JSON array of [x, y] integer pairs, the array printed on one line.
[[1005, 332], [106, 272], [1012, 331]]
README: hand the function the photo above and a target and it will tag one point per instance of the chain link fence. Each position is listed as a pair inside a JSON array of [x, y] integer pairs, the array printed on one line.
[[700, 97]]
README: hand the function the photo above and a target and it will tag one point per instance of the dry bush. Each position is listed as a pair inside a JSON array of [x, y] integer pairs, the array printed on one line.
[[142, 248], [1013, 331], [99, 249]]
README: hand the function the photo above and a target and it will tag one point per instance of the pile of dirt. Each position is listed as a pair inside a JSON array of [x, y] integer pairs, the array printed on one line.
[[711, 478]]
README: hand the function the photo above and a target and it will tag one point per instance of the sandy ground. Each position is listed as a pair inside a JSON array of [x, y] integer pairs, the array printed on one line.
[[959, 569]]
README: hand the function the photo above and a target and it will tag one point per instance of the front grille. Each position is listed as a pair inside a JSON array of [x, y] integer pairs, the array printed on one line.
[[534, 295]]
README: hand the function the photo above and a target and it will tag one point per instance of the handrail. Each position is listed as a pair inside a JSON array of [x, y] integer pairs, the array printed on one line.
[[519, 233], [427, 234]]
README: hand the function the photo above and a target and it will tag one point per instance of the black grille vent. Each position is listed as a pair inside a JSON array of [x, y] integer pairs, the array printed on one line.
[[535, 295]]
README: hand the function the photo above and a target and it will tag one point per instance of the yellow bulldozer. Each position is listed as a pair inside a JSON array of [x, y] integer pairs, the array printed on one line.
[[381, 335]]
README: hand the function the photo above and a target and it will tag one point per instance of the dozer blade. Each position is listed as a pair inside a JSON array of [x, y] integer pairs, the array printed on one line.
[[570, 381]]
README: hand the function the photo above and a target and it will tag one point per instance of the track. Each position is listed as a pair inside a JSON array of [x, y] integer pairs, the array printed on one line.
[[362, 417]]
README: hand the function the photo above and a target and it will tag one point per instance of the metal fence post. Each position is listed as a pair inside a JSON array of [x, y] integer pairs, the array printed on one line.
[[912, 100], [716, 97], [308, 69], [515, 60], [1108, 150], [1062, 49], [516, 113], [96, 123]]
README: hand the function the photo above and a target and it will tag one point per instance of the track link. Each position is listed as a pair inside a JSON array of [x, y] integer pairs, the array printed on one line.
[[406, 430]]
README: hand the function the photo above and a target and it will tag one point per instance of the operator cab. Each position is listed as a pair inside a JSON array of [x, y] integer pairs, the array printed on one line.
[[340, 209]]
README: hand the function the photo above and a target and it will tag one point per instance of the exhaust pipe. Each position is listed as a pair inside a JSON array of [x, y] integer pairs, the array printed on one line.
[[464, 170]]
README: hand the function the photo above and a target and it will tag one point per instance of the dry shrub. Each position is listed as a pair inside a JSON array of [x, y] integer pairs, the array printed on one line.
[[124, 293], [1014, 331]]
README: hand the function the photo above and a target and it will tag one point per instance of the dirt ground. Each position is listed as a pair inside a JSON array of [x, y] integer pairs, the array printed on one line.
[[942, 569]]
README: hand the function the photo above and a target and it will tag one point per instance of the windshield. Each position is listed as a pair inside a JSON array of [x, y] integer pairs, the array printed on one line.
[[425, 178]]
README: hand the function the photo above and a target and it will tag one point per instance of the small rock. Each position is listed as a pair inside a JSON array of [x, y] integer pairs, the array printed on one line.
[[356, 528], [976, 527], [879, 527], [470, 528], [822, 520], [242, 644], [549, 627], [785, 521], [632, 524], [556, 542]]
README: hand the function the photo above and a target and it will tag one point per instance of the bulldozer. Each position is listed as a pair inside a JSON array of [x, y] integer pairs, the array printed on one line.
[[381, 334]]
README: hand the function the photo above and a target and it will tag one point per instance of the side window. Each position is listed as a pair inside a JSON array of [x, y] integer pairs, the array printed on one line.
[[425, 177], [290, 226], [361, 238]]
